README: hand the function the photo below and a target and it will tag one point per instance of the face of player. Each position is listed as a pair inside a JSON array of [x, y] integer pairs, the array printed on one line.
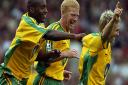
[[40, 11], [115, 31], [71, 18]]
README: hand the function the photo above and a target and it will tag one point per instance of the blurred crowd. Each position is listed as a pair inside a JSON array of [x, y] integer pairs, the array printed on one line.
[[12, 10]]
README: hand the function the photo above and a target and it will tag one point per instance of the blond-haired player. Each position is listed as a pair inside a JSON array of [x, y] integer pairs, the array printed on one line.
[[27, 43], [54, 74], [96, 51]]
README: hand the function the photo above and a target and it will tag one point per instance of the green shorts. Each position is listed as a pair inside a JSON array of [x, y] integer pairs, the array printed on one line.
[[44, 80], [8, 79]]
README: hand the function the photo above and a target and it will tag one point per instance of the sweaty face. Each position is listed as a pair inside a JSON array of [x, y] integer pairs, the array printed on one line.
[[40, 11], [71, 17]]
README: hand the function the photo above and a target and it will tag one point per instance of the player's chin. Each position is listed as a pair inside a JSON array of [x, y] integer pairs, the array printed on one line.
[[42, 18], [113, 41], [116, 35]]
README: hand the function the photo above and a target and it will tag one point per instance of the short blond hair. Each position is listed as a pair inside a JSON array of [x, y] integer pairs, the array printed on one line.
[[66, 4], [105, 18]]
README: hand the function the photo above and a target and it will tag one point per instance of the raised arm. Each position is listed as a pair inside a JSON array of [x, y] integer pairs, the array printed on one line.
[[115, 19]]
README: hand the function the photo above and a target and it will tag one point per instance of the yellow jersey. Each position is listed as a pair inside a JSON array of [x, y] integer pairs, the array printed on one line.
[[56, 69], [24, 47], [95, 60]]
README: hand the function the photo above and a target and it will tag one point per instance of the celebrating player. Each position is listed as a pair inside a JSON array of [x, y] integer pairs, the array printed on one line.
[[27, 43], [96, 52], [55, 73]]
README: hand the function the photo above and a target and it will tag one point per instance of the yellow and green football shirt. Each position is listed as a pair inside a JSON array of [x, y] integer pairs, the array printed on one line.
[[24, 47], [56, 69], [94, 60]]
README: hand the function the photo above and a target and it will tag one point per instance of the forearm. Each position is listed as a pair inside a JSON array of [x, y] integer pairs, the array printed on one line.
[[48, 56], [55, 60], [115, 19], [108, 29], [61, 57], [66, 54], [56, 35]]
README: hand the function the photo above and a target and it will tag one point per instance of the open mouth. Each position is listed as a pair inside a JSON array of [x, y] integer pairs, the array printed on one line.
[[43, 15], [73, 24]]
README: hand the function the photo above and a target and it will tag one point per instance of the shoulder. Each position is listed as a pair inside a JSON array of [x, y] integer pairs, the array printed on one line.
[[92, 36], [53, 25], [93, 39]]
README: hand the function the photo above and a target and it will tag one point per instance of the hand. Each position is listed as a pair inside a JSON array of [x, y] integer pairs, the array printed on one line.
[[67, 75], [79, 36], [118, 11], [53, 54], [48, 55], [69, 54]]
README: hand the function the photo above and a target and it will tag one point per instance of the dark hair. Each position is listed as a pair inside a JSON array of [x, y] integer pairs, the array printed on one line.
[[33, 3]]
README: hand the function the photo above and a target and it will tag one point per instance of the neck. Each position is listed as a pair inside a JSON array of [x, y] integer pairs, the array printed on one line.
[[63, 24], [34, 17]]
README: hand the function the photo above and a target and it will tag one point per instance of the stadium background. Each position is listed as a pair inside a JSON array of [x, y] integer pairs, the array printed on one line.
[[11, 11]]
